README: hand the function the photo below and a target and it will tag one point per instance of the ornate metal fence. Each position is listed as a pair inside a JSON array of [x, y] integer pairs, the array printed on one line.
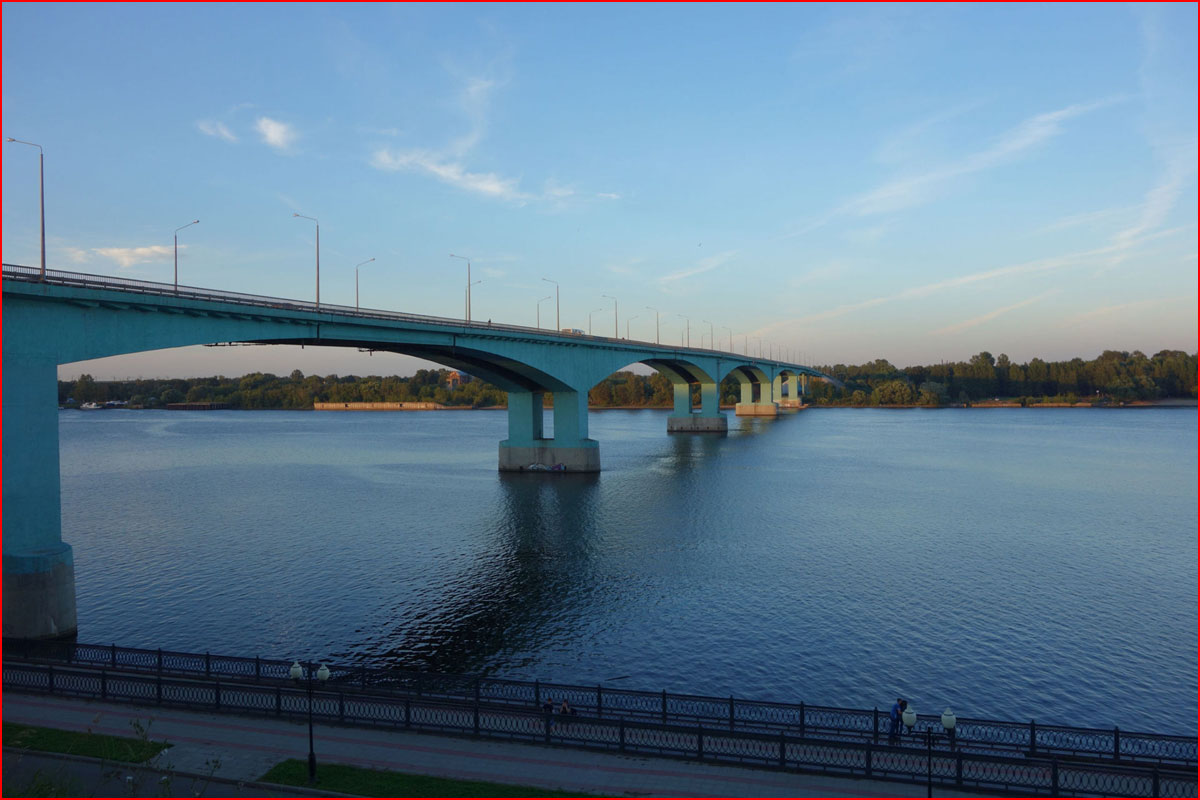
[[931, 758], [732, 714]]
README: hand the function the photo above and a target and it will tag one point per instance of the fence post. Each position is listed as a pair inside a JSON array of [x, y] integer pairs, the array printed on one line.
[[114, 655], [1116, 742], [802, 715], [869, 752], [364, 678], [621, 734], [1054, 777], [207, 665], [664, 706], [875, 726], [160, 661], [50, 683], [782, 749], [1032, 736], [537, 693], [730, 712], [278, 701], [341, 707], [700, 742], [407, 711], [103, 684], [158, 689], [477, 691], [599, 700], [958, 758], [476, 713], [217, 694], [257, 669], [1154, 783]]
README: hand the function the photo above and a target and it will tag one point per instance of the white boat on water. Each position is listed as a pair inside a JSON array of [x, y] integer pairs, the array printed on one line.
[[90, 406]]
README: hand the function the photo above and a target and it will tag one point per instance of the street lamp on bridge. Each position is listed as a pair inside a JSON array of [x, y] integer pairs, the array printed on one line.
[[296, 673], [314, 219], [657, 330], [177, 230], [469, 284], [688, 329], [616, 330], [356, 266], [557, 319], [539, 309], [712, 339], [593, 311], [41, 195], [627, 320], [730, 337]]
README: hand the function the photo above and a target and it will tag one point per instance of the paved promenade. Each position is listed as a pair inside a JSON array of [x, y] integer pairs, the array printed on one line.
[[247, 747]]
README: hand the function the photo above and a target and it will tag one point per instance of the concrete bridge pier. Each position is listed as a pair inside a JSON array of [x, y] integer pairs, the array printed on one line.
[[793, 399], [708, 420], [762, 407], [527, 445], [39, 569]]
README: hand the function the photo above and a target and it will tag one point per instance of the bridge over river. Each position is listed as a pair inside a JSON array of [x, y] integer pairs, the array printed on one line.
[[57, 317]]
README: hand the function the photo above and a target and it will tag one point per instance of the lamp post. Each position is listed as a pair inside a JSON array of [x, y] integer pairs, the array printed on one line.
[[746, 344], [909, 718], [41, 196], [469, 284], [949, 721], [356, 266], [539, 309], [616, 330], [657, 337], [177, 230], [627, 320], [593, 311], [730, 337], [688, 329], [712, 339], [314, 219], [557, 320], [296, 673]]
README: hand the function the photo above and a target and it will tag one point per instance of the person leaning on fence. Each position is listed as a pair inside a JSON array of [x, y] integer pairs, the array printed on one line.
[[897, 709], [565, 709]]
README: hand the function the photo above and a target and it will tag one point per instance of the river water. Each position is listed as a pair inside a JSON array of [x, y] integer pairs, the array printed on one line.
[[1022, 563]]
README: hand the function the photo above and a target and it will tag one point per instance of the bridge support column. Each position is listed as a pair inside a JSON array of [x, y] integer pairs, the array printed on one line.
[[39, 570], [708, 420], [526, 447], [793, 399], [763, 407]]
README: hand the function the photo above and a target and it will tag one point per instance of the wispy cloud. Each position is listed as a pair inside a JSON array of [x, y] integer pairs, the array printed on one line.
[[608, 195], [908, 191], [1052, 263], [279, 135], [452, 172], [128, 256], [217, 129], [991, 315], [1108, 311], [707, 264], [76, 254]]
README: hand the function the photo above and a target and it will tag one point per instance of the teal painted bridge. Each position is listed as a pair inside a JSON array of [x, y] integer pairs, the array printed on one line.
[[65, 317]]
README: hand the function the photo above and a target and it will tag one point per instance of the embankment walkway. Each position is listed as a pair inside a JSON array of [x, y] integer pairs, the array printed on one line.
[[247, 747]]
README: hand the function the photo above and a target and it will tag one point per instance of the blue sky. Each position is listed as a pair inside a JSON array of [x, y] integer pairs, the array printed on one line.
[[916, 183]]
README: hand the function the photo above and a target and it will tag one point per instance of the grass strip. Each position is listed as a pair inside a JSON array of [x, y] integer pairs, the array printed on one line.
[[384, 783], [96, 745]]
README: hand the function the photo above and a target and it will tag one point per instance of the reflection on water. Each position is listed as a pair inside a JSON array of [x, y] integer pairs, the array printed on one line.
[[1008, 563]]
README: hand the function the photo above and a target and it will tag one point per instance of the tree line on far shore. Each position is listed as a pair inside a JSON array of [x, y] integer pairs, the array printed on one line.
[[1115, 376]]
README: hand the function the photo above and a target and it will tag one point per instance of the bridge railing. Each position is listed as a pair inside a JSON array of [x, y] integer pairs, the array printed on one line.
[[730, 713], [933, 758], [88, 280]]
